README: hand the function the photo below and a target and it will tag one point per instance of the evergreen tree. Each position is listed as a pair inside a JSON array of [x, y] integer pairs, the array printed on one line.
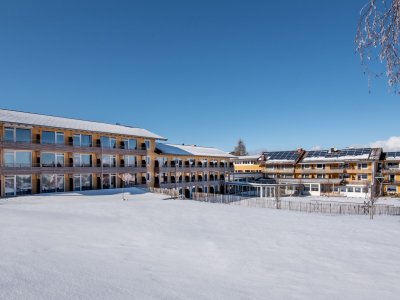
[[240, 149]]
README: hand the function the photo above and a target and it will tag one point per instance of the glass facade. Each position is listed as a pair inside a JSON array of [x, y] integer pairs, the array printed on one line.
[[52, 183], [82, 182], [18, 185], [20, 135], [130, 144], [109, 181], [109, 161], [82, 160], [51, 137], [52, 159], [82, 140], [108, 142], [130, 161], [17, 159]]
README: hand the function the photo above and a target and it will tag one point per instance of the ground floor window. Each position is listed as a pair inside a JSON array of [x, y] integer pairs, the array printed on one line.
[[391, 189], [18, 185], [109, 181], [52, 183], [82, 182]]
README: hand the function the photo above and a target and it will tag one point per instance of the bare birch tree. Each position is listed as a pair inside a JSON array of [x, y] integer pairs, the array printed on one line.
[[377, 39]]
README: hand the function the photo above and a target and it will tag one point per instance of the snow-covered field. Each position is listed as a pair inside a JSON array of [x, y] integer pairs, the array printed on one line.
[[92, 246]]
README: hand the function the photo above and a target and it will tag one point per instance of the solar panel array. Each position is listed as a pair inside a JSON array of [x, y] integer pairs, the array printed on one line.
[[393, 155], [283, 155], [339, 153]]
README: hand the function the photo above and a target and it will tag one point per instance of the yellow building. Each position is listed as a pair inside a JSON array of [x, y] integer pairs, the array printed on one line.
[[189, 168], [346, 172], [41, 153], [247, 168], [391, 174]]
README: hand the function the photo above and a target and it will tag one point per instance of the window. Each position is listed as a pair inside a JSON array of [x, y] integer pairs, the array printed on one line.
[[357, 190], [108, 142], [130, 161], [320, 166], [306, 166], [362, 177], [147, 144], [51, 137], [130, 144], [52, 183], [82, 160], [320, 176], [391, 189], [148, 176], [363, 166], [18, 185], [109, 181], [82, 140], [82, 182], [350, 190], [19, 135], [109, 161], [148, 160], [17, 159], [315, 187], [52, 159]]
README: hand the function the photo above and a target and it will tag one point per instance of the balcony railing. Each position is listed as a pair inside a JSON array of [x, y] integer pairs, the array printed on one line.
[[70, 147]]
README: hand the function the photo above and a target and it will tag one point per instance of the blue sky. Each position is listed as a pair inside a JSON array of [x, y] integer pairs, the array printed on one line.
[[278, 74]]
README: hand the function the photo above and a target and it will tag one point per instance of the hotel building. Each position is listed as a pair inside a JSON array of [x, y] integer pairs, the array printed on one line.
[[190, 168], [247, 168], [40, 153]]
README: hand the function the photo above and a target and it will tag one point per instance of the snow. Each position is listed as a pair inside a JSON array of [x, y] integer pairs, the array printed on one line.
[[96, 246], [191, 150], [10, 116], [337, 158]]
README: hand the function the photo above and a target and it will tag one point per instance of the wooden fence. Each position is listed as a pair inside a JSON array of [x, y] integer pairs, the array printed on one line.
[[324, 207]]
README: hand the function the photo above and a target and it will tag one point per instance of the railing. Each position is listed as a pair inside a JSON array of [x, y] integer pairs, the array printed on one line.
[[324, 207], [67, 146], [169, 192]]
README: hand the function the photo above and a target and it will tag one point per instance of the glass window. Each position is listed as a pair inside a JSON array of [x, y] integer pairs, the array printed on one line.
[[132, 144], [9, 134], [147, 144], [76, 142], [23, 135], [314, 187], [9, 159], [113, 143], [105, 141], [350, 190], [24, 184], [86, 182], [130, 160], [59, 159], [48, 159], [48, 183], [23, 159], [10, 186], [86, 160], [77, 160], [86, 140], [357, 190], [60, 138], [60, 185], [77, 182], [109, 161], [48, 137]]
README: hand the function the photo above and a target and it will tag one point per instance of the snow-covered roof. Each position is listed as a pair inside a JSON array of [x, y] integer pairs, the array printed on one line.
[[248, 157], [348, 154], [191, 150], [17, 117]]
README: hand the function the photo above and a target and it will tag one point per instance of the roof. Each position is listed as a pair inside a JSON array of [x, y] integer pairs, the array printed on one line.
[[10, 116], [191, 150], [347, 154], [248, 157]]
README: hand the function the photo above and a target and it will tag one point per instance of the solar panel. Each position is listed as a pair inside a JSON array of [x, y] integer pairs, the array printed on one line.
[[283, 155], [394, 154], [339, 153]]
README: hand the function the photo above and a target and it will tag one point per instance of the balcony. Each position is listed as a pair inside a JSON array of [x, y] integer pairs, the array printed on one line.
[[320, 171], [391, 170], [69, 147], [191, 168], [17, 169], [279, 171]]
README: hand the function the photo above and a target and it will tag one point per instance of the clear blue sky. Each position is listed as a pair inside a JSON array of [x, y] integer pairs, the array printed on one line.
[[278, 74]]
